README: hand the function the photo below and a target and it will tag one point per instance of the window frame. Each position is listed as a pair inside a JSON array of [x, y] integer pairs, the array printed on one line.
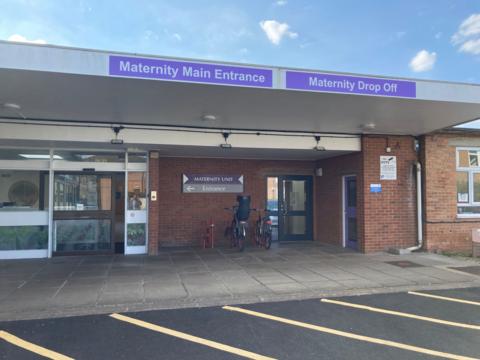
[[471, 171]]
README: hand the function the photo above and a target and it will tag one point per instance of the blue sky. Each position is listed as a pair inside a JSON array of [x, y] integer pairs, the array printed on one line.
[[432, 39]]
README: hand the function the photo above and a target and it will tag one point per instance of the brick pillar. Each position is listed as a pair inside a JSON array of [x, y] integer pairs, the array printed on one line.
[[153, 210], [389, 217]]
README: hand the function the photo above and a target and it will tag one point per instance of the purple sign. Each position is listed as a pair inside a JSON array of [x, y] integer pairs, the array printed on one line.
[[201, 183], [347, 84], [149, 68]]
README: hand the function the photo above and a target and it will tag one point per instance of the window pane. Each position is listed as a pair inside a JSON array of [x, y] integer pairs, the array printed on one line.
[[24, 154], [90, 156], [469, 209], [476, 187], [294, 225], [136, 234], [352, 193], [137, 157], [473, 158], [23, 237], [82, 192], [23, 190], [137, 191], [272, 193], [82, 235], [294, 195], [462, 187], [463, 158]]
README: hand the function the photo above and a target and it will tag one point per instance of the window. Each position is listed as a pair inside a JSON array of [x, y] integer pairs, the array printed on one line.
[[137, 191], [468, 182], [82, 192], [23, 190]]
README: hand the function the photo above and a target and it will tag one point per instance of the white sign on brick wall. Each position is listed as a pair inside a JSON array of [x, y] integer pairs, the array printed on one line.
[[388, 168]]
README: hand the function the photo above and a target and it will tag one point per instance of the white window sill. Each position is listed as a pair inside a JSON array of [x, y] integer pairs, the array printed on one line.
[[468, 216]]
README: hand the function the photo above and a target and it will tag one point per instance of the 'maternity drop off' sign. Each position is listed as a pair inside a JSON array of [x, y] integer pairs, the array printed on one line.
[[202, 183], [348, 84]]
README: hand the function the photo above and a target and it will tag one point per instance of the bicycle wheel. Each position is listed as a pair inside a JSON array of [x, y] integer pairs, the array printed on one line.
[[233, 235], [268, 239], [258, 234], [241, 243], [241, 238]]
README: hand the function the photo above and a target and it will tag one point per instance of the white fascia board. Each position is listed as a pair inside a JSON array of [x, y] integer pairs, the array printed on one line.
[[94, 62]]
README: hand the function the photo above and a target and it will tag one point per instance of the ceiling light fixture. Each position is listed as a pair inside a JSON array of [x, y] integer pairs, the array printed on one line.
[[15, 108], [116, 140], [226, 145], [368, 126], [318, 147], [40, 156], [209, 117]]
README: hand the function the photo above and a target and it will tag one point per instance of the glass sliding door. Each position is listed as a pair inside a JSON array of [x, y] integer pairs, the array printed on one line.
[[136, 213], [83, 213]]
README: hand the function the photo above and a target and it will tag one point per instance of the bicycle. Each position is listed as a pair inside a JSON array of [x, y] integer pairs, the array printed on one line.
[[239, 226], [263, 230]]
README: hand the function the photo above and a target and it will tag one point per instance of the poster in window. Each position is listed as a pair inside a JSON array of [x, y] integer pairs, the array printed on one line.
[[463, 197]]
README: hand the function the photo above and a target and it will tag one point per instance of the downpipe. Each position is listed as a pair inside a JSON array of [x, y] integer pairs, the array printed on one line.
[[419, 245], [419, 210]]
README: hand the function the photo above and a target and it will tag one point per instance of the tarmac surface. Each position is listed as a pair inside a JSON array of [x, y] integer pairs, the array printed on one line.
[[380, 326]]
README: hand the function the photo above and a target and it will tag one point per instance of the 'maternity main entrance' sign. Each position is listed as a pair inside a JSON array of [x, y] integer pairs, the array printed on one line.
[[149, 68], [323, 82], [200, 183]]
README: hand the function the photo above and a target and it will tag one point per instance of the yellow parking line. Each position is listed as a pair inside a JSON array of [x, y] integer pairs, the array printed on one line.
[[445, 298], [350, 335], [12, 339], [398, 313], [188, 337]]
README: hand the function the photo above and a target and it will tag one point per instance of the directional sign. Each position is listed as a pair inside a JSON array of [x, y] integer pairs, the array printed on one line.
[[208, 183]]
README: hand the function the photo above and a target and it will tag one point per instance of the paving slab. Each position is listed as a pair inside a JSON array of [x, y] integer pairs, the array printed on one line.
[[200, 277]]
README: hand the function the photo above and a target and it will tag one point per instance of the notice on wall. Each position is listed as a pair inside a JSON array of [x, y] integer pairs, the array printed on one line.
[[375, 188], [207, 183], [388, 168]]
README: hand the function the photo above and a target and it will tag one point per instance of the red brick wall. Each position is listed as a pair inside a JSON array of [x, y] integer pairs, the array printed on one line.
[[153, 209], [390, 216], [182, 217], [442, 229], [329, 188]]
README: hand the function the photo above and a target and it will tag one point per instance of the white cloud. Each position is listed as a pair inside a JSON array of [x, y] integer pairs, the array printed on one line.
[[471, 46], [20, 38], [467, 36], [275, 31], [281, 2], [177, 36], [423, 61]]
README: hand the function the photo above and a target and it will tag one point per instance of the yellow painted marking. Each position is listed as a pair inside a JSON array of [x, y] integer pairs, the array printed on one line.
[[398, 313], [445, 298], [12, 339], [188, 337], [351, 335]]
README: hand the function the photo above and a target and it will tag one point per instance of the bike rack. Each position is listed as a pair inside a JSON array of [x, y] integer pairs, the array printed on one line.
[[208, 239]]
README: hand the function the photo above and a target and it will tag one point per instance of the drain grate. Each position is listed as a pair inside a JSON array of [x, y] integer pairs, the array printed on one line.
[[403, 264], [474, 270]]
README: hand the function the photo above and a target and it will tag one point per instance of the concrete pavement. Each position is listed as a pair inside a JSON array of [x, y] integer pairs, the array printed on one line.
[[194, 277]]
